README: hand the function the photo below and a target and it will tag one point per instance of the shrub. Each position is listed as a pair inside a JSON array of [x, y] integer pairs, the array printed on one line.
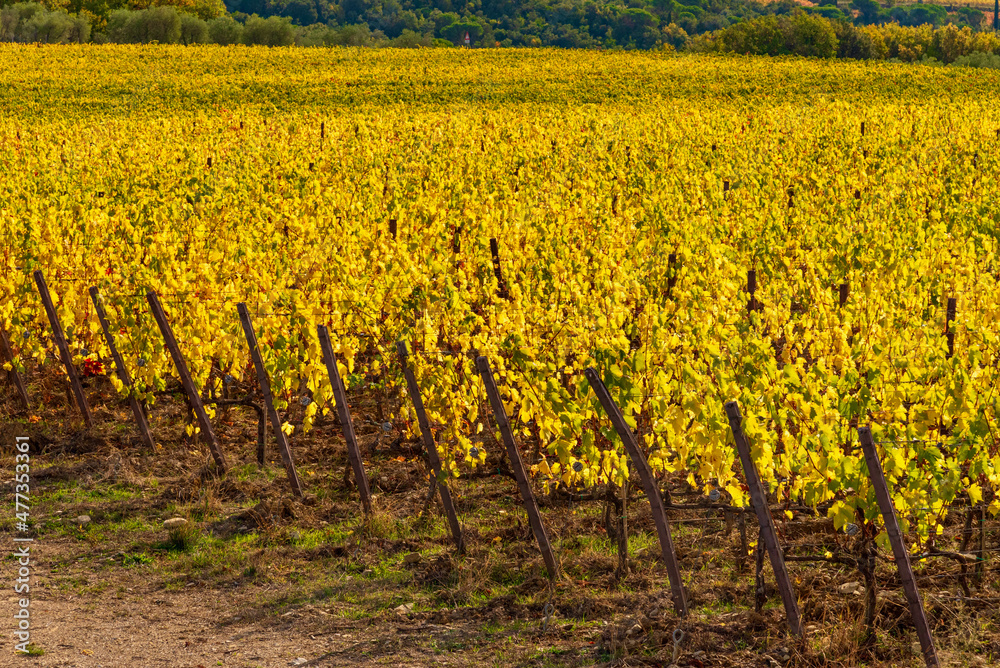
[[759, 37], [225, 30], [807, 35], [409, 39], [31, 22], [79, 30], [906, 44], [193, 30], [209, 9], [988, 41], [950, 43], [356, 35], [800, 34], [979, 59], [314, 35], [857, 43], [156, 24], [879, 48], [47, 27], [675, 36], [272, 31], [14, 18]]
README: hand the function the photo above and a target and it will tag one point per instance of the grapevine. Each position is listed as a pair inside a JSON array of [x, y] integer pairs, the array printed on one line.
[[589, 175]]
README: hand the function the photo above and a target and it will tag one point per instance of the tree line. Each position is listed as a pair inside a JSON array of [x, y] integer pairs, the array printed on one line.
[[854, 28]]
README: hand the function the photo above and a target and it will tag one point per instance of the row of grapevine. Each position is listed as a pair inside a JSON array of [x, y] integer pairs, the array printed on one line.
[[624, 429]]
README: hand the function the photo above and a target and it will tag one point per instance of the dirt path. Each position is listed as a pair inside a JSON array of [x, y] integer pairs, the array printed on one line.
[[131, 623]]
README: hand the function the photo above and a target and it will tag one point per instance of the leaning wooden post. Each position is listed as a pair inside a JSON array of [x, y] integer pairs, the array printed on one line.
[[60, 339], [15, 378], [899, 551], [502, 290], [123, 375], [764, 519], [431, 447], [949, 319], [672, 267], [192, 392], [650, 487], [344, 412], [527, 496], [265, 390]]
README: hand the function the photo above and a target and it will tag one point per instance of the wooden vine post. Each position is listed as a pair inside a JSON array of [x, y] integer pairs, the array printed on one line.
[[672, 270], [949, 319], [527, 496], [344, 413], [502, 290], [767, 533], [899, 551], [431, 447], [752, 303], [60, 339], [13, 376], [265, 390], [649, 486], [138, 411], [194, 399]]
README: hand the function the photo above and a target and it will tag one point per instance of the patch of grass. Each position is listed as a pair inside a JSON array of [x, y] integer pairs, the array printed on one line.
[[389, 572], [379, 523], [34, 650], [308, 538], [506, 573], [182, 538], [139, 559], [353, 614], [127, 524], [717, 608], [73, 492], [548, 653]]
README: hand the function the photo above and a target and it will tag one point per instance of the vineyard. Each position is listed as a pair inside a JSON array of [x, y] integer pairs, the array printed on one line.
[[773, 254]]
